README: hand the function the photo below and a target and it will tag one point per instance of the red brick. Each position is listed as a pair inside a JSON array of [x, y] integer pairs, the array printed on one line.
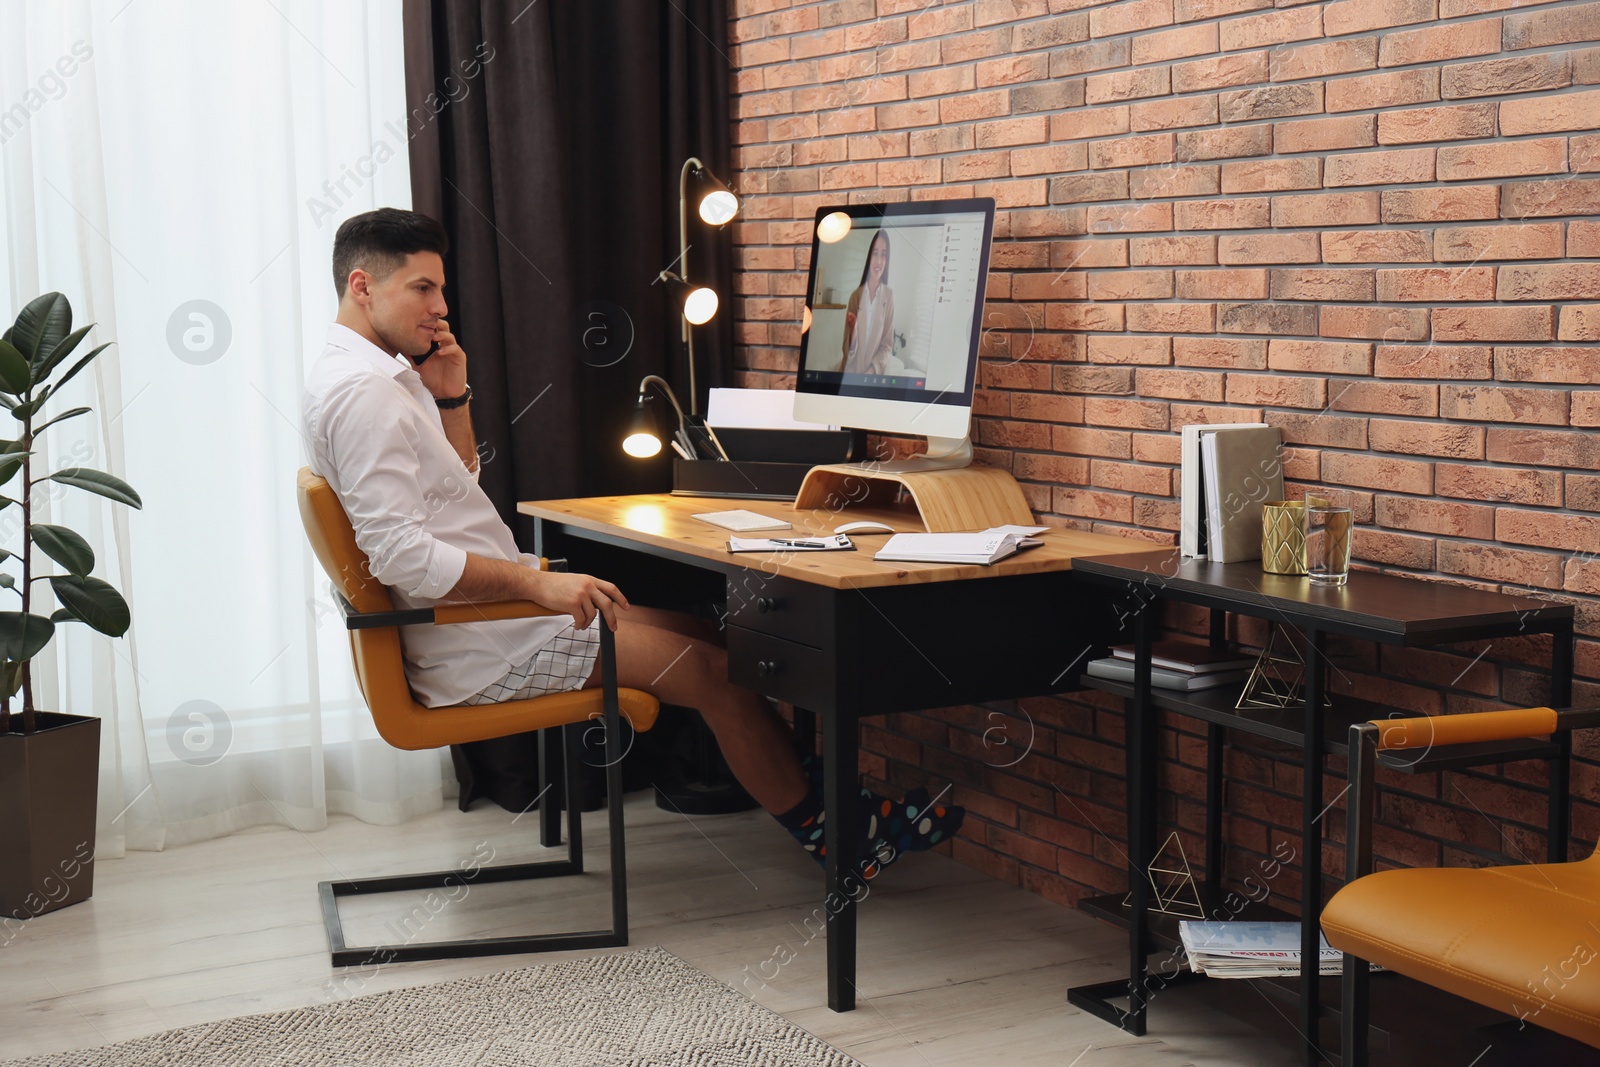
[[1575, 366], [1435, 43], [1434, 284], [1271, 28], [1219, 72], [1536, 569], [1565, 281], [1174, 181], [1270, 102], [1566, 24], [1131, 17], [1322, 135], [1222, 285], [1142, 350], [1380, 168], [1238, 213], [1082, 188], [1227, 353], [1498, 484], [1562, 196], [1327, 431], [1435, 516], [1394, 550], [1426, 438], [1268, 248], [1180, 43], [1130, 285], [1030, 129], [1377, 246], [1502, 159], [1316, 284], [1386, 398], [1049, 222], [1582, 576], [1320, 357], [1270, 175], [1226, 143], [1325, 209], [1441, 205], [1276, 390], [1109, 380], [1585, 409], [1052, 159], [1173, 251], [1459, 122], [1082, 255], [1583, 239], [1369, 91], [1192, 386], [1434, 361], [1488, 403], [1086, 317], [1051, 96], [1130, 218], [1128, 85], [1082, 58], [1130, 414], [1089, 122], [1358, 16], [1173, 114], [1497, 77], [1548, 114], [1296, 320], [1517, 241], [1376, 323], [1545, 448], [1378, 472], [1194, 10], [1127, 151], [1171, 318], [1579, 322], [1324, 58], [1493, 324], [1547, 530]]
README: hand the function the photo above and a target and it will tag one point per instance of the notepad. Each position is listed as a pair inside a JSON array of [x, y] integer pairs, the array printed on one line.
[[740, 521], [987, 547]]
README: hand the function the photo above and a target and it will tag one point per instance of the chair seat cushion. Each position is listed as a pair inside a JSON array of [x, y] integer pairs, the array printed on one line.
[[1524, 940]]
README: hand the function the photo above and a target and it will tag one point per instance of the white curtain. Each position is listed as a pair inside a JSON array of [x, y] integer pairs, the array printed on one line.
[[178, 168]]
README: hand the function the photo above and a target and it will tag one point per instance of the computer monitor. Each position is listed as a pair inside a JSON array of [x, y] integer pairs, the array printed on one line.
[[892, 322]]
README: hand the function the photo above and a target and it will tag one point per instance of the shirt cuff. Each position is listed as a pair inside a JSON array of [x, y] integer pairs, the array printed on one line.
[[449, 564]]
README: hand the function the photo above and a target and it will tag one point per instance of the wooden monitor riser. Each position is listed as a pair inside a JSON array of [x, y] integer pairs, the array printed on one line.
[[967, 498]]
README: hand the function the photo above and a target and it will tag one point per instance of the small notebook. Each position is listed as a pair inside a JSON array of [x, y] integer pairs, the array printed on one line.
[[742, 521], [987, 547]]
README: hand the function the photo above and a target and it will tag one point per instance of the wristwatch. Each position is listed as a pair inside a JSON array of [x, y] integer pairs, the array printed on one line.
[[446, 403]]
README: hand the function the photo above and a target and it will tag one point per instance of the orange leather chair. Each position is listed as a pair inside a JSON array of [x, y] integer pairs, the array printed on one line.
[[1524, 940], [374, 624]]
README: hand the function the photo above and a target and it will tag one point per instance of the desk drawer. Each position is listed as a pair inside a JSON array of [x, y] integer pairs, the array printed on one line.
[[781, 607], [781, 669]]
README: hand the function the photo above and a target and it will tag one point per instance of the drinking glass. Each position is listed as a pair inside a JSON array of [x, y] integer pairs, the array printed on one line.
[[1329, 519]]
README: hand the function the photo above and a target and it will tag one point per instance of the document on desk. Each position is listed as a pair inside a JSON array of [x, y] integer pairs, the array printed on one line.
[[987, 547], [825, 543]]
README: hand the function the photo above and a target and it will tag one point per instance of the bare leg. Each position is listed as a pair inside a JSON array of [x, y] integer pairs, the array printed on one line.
[[685, 670]]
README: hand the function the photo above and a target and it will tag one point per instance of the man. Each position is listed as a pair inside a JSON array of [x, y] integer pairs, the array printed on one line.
[[387, 410]]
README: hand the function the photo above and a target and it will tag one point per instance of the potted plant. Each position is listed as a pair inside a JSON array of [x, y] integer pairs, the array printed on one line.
[[49, 761]]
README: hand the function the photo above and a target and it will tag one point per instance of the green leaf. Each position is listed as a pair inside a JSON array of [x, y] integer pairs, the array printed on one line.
[[23, 412], [64, 546], [6, 581], [15, 374], [41, 326], [61, 351], [22, 636], [63, 417], [78, 366], [98, 482], [9, 468], [93, 602], [10, 679]]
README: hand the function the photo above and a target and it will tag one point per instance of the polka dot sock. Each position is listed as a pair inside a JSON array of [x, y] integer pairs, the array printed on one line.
[[889, 828]]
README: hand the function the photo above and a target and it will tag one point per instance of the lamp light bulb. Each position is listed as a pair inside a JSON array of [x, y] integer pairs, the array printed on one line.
[[700, 306], [805, 319], [641, 445], [718, 207], [833, 227]]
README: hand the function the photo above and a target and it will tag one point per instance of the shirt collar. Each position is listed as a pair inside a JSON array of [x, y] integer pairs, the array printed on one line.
[[343, 337]]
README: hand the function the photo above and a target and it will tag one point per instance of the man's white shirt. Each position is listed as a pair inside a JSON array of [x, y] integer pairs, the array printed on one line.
[[375, 434]]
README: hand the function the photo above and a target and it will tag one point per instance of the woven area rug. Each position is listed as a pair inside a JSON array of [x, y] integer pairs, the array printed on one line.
[[637, 1009]]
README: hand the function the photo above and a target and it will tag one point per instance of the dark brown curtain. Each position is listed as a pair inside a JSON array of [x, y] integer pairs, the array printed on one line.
[[547, 136]]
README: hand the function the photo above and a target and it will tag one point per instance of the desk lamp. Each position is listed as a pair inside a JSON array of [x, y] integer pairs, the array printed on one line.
[[644, 437]]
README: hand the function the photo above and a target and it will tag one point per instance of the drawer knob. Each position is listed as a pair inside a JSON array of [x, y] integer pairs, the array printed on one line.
[[765, 604], [766, 668]]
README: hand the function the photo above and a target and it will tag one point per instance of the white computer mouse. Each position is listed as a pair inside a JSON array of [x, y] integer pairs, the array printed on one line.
[[863, 528]]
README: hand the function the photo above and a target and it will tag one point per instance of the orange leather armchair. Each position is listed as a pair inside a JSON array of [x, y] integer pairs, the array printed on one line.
[[1524, 940], [374, 624]]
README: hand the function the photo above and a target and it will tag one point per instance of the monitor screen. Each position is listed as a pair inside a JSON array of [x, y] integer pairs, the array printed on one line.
[[895, 314]]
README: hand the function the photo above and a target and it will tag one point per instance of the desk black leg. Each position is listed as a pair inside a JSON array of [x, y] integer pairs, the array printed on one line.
[[1141, 753], [805, 732], [843, 887], [1560, 820], [1216, 737], [552, 785], [1311, 852]]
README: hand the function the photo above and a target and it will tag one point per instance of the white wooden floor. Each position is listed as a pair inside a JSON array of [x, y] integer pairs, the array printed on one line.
[[954, 967]]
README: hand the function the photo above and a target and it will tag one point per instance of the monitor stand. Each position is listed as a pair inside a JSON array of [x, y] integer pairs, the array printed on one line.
[[950, 494]]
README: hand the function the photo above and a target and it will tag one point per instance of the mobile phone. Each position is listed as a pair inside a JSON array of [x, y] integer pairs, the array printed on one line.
[[420, 360]]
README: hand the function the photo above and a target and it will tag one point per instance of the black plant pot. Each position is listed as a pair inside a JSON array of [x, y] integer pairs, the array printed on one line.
[[48, 785]]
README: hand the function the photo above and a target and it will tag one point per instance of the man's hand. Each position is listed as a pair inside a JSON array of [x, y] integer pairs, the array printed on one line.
[[445, 372], [579, 595]]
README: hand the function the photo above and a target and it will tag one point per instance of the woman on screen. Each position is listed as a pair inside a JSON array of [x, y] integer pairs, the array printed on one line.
[[869, 316]]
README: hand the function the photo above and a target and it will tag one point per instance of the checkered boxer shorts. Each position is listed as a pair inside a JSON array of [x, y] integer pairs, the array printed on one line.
[[563, 664]]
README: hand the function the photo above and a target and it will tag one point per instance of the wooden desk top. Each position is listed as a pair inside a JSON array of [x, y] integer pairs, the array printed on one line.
[[666, 522]]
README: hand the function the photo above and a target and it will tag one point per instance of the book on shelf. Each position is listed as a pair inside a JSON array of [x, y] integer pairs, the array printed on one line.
[[1240, 470], [1191, 657], [986, 547], [1191, 507], [1114, 669], [1238, 949]]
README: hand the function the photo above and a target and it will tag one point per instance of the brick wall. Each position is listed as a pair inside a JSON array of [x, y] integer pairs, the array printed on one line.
[[1368, 222]]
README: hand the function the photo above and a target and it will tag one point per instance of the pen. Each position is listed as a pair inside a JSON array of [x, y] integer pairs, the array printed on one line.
[[795, 542], [712, 434], [676, 447]]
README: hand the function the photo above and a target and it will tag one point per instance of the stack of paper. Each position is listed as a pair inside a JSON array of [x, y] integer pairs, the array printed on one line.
[[1181, 665], [1250, 950]]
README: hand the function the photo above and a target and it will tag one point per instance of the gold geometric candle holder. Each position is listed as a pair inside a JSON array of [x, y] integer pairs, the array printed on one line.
[[1283, 537]]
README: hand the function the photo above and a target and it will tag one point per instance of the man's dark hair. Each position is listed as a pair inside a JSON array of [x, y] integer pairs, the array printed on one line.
[[379, 241]]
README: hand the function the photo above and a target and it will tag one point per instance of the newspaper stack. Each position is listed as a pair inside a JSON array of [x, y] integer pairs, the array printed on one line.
[[1250, 950]]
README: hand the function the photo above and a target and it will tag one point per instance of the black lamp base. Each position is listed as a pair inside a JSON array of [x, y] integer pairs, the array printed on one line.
[[703, 798]]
